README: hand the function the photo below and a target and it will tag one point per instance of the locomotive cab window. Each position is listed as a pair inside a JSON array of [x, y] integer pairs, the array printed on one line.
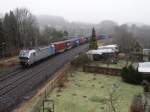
[[34, 54]]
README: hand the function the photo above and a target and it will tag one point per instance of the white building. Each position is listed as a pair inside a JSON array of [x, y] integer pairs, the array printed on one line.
[[146, 55], [144, 67], [102, 54], [113, 47]]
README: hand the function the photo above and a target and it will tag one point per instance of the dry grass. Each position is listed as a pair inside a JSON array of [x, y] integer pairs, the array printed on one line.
[[9, 62], [89, 93]]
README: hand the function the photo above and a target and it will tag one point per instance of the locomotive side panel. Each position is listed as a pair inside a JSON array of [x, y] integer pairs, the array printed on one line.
[[44, 53]]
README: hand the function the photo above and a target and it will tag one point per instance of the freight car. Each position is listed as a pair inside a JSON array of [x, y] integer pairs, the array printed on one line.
[[29, 57], [59, 46], [69, 44], [82, 40], [75, 41]]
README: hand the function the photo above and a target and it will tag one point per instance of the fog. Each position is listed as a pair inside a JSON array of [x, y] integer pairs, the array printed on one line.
[[91, 11]]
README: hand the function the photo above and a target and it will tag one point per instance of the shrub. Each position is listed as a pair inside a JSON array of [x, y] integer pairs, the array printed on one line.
[[81, 60], [124, 71], [130, 75]]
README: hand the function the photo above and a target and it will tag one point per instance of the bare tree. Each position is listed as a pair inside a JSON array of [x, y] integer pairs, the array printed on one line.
[[28, 28], [124, 38], [113, 98]]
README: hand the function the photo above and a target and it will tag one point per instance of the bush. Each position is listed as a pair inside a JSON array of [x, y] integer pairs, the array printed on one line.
[[130, 75], [81, 60]]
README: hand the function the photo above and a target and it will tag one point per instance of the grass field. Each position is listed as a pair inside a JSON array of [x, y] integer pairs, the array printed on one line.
[[85, 92]]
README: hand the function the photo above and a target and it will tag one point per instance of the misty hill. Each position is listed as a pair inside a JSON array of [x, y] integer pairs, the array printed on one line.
[[75, 28], [107, 23], [139, 30], [52, 21], [106, 26], [130, 24]]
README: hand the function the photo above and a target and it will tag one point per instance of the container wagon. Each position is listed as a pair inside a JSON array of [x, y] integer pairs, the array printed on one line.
[[59, 46], [75, 42], [82, 40], [68, 44]]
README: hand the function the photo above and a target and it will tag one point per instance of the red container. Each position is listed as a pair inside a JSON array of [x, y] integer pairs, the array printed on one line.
[[59, 46], [82, 40]]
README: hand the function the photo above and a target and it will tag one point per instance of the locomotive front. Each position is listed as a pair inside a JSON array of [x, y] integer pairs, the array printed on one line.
[[24, 57]]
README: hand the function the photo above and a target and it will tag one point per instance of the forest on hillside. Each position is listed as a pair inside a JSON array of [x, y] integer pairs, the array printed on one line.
[[20, 29]]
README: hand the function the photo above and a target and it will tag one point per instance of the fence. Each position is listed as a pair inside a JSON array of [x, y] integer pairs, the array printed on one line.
[[101, 70]]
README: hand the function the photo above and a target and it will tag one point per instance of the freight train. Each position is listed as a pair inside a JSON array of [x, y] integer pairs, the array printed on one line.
[[29, 57]]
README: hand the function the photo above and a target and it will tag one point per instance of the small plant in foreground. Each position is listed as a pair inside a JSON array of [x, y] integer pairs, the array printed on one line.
[[81, 60]]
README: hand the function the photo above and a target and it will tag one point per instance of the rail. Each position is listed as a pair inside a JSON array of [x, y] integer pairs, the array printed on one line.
[[49, 87]]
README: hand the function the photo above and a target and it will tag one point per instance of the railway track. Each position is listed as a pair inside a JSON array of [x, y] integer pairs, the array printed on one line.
[[11, 74], [14, 88]]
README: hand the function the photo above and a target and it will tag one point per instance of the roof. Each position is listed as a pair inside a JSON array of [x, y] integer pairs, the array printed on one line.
[[108, 46], [106, 50], [114, 45], [100, 51], [144, 67], [146, 50], [26, 53], [94, 52]]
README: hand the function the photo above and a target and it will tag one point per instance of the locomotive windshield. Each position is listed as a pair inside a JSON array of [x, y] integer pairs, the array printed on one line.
[[24, 53]]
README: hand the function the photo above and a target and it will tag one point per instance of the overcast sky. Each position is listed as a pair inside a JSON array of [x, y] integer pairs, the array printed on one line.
[[92, 11]]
